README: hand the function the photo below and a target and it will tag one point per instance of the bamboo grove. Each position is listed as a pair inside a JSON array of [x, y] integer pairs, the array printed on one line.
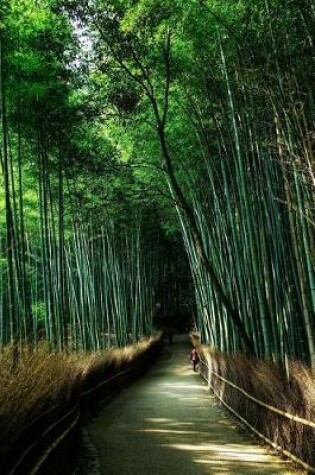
[[255, 203], [229, 94], [76, 283], [200, 118]]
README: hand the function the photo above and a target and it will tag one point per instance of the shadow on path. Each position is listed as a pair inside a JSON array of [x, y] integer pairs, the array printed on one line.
[[167, 423]]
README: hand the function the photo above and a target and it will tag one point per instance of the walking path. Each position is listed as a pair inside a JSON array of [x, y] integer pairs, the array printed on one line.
[[168, 424]]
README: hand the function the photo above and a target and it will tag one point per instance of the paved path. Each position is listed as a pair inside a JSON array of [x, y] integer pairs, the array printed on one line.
[[168, 424]]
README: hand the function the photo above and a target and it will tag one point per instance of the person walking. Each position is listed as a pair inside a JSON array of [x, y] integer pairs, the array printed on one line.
[[194, 357]]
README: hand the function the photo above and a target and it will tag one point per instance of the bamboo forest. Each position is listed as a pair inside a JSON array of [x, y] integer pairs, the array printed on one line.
[[157, 177]]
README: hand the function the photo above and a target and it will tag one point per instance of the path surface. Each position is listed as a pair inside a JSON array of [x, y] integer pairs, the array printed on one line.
[[168, 424]]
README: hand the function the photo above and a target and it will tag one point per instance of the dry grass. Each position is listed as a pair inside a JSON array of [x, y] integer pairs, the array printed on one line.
[[268, 383], [41, 380], [98, 367], [194, 337], [36, 383]]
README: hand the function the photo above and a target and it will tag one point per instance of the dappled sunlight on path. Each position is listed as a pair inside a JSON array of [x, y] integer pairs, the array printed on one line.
[[168, 423]]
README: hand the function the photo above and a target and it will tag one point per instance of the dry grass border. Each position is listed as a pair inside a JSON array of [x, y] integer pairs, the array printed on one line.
[[268, 383], [42, 380]]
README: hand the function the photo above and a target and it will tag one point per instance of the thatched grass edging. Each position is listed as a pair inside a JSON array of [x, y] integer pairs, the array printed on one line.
[[47, 394], [267, 382]]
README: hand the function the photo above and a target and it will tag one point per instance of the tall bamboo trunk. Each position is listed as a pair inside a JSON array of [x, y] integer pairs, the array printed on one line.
[[10, 240]]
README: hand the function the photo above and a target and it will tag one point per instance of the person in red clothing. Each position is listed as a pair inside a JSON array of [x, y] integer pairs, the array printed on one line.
[[194, 357]]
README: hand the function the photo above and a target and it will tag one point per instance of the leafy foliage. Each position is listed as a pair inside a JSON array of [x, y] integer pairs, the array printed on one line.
[[195, 119]]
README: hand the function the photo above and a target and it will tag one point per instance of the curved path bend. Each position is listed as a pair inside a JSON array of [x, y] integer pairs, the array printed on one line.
[[167, 423]]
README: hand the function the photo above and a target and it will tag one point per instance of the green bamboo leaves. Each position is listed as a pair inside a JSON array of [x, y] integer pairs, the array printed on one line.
[[74, 285], [255, 211], [216, 101]]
